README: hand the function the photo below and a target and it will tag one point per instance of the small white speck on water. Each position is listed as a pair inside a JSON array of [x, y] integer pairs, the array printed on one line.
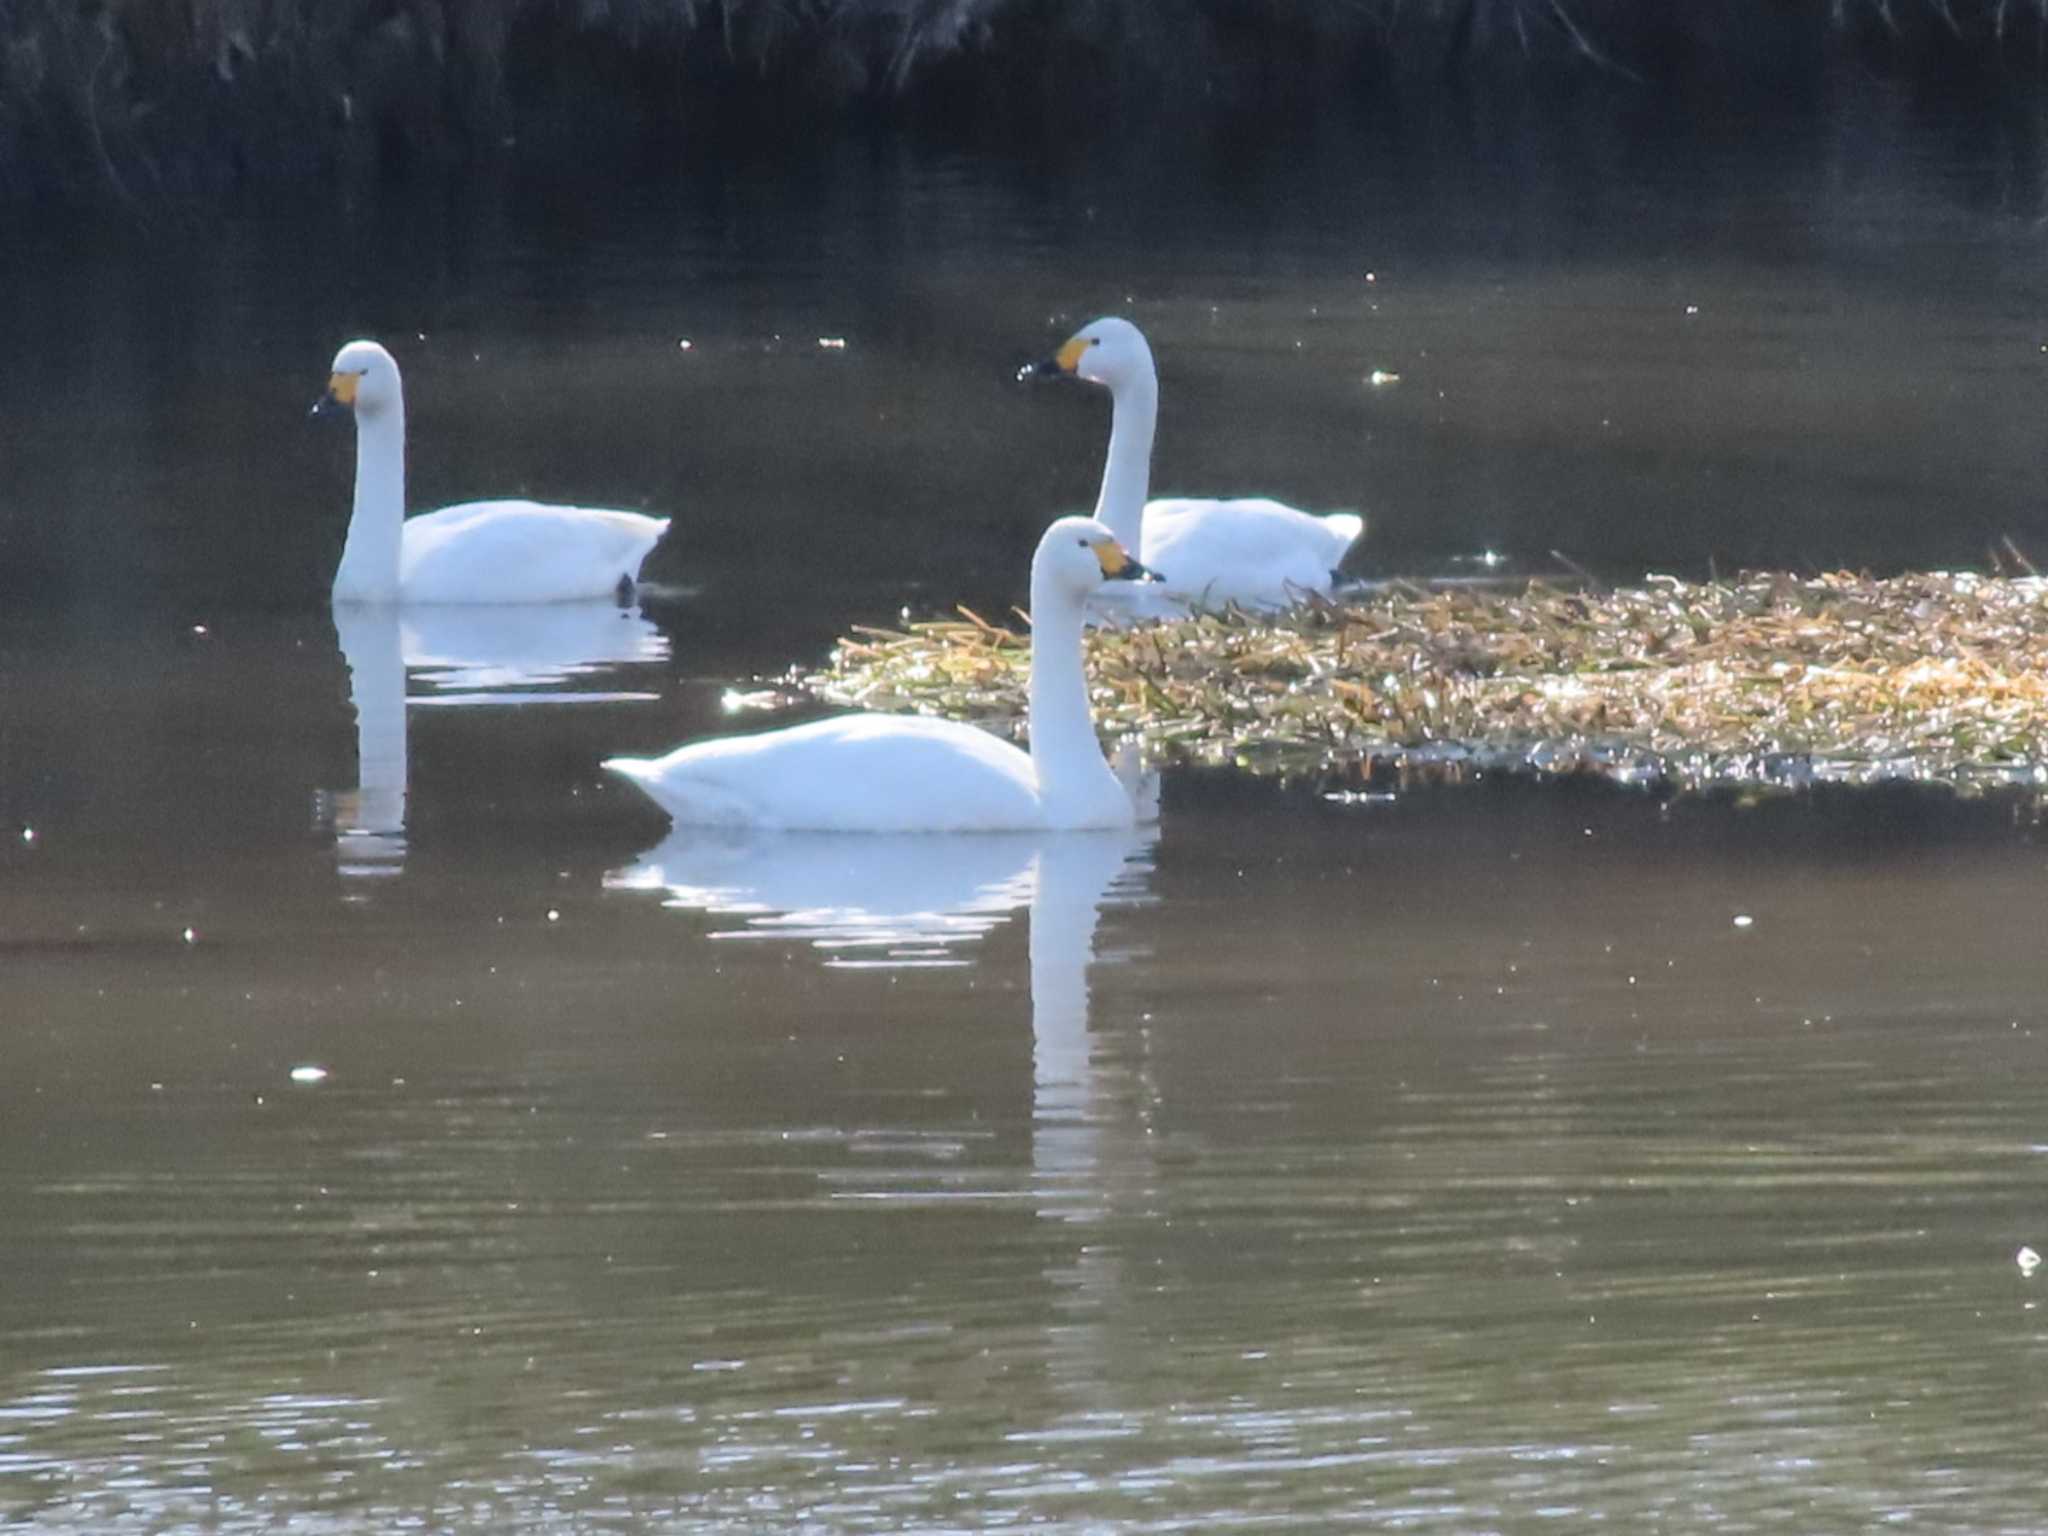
[[682, 343], [1743, 920], [198, 629], [191, 937], [309, 1074], [554, 915], [28, 834], [2028, 1261], [1692, 309], [832, 343]]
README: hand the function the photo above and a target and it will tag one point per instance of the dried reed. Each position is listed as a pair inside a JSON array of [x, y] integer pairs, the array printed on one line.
[[1769, 680]]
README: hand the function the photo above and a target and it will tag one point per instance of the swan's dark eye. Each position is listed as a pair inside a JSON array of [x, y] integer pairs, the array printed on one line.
[[1094, 341], [1082, 542]]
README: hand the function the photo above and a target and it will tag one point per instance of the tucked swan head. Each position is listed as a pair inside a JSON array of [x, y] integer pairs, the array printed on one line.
[[1077, 555], [1106, 351], [363, 379]]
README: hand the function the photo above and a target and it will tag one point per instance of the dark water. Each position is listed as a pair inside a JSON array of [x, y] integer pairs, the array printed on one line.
[[1738, 342], [1498, 1158]]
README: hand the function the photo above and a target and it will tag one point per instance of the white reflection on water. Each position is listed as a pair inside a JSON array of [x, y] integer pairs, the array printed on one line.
[[863, 899], [523, 653], [1074, 877], [917, 900], [505, 654], [913, 901], [369, 822]]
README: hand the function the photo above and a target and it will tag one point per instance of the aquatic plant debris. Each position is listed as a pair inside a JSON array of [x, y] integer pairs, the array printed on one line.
[[1770, 680]]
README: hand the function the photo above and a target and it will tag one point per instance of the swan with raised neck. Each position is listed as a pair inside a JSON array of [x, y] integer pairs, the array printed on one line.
[[909, 773], [1250, 550], [474, 552]]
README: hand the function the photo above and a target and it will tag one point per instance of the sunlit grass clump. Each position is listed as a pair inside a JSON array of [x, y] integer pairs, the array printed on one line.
[[1769, 680]]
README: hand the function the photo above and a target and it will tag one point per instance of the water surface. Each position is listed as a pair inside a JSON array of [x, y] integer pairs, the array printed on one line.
[[401, 1128], [1438, 1164]]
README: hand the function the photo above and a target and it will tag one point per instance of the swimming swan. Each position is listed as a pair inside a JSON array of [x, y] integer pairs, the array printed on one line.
[[1250, 550], [908, 773], [478, 551]]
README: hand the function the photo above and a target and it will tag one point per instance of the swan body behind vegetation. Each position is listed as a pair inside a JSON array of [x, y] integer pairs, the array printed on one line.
[[477, 551], [1248, 550]]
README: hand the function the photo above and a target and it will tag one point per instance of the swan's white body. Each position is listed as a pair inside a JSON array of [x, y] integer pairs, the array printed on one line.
[[1249, 550], [906, 773], [475, 552]]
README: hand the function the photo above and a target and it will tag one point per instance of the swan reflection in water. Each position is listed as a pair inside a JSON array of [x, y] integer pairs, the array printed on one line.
[[922, 900], [505, 654]]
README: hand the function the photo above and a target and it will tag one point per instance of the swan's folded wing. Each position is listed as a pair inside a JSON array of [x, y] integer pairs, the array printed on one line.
[[856, 773], [522, 551], [1250, 550]]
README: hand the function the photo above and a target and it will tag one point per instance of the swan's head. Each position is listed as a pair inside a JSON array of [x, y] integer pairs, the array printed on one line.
[[1077, 555], [1106, 351], [364, 379]]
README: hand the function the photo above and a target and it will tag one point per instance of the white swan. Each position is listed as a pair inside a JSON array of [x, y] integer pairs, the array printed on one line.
[[1250, 550], [478, 551], [906, 773]]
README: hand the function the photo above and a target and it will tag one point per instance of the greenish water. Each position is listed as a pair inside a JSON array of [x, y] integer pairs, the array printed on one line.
[[398, 1129]]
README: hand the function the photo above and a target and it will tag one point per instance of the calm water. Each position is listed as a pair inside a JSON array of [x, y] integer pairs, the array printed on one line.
[[400, 1129]]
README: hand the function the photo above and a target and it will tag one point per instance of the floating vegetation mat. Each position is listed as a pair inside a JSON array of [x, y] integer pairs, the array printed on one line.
[[1768, 681]]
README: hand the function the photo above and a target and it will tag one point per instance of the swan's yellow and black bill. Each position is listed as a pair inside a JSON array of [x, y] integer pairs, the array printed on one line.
[[1061, 365], [341, 394], [1118, 566]]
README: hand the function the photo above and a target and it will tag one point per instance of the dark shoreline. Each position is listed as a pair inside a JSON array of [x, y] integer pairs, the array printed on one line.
[[162, 103]]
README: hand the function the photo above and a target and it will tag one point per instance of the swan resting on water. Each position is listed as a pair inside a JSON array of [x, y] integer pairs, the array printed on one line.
[[908, 773], [1250, 550], [474, 552]]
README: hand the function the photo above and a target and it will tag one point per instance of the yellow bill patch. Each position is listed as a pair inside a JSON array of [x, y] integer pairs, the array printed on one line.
[[1112, 556], [1069, 356], [342, 386]]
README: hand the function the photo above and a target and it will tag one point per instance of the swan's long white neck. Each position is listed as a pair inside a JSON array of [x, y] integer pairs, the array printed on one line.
[[1072, 774], [369, 561], [1127, 474]]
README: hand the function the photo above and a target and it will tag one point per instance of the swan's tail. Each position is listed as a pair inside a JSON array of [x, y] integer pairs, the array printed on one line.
[[691, 798], [1348, 524], [642, 772]]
